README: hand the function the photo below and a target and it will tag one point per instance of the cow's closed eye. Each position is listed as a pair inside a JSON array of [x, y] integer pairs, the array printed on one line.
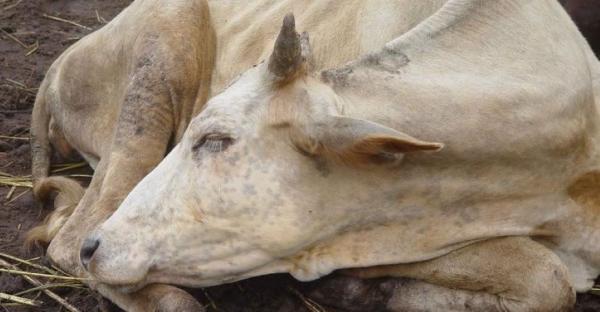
[[214, 143]]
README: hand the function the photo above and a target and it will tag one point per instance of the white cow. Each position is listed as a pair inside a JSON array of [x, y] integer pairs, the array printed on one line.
[[290, 171], [123, 96]]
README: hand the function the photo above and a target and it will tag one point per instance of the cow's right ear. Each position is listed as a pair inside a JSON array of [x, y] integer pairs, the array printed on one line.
[[357, 142]]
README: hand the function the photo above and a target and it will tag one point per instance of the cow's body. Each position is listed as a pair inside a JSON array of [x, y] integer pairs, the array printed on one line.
[[124, 94], [505, 217], [520, 126]]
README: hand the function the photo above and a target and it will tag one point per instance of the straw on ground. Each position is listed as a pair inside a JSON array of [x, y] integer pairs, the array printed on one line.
[[7, 179], [59, 19], [20, 300], [39, 286]]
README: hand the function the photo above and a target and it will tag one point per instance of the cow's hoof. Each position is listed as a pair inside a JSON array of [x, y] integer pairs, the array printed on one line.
[[177, 300]]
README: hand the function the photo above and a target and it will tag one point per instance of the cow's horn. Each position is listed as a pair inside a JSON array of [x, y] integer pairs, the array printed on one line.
[[287, 53]]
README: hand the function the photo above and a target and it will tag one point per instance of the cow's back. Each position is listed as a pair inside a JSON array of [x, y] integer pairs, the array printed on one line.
[[340, 31]]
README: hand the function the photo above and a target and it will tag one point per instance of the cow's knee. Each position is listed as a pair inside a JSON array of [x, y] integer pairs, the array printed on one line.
[[177, 300], [153, 298], [545, 288]]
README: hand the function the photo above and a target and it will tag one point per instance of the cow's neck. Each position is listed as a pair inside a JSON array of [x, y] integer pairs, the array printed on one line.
[[340, 31]]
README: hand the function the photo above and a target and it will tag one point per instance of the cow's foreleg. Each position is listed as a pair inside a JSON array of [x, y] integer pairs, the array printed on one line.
[[155, 298], [503, 274], [141, 139], [63, 247]]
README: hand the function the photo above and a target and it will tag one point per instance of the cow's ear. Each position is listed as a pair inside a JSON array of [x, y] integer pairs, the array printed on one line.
[[355, 141], [291, 54]]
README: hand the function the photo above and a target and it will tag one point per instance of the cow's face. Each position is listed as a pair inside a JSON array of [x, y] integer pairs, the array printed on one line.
[[267, 169]]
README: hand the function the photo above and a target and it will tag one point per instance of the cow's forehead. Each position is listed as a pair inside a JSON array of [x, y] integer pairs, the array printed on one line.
[[234, 105]]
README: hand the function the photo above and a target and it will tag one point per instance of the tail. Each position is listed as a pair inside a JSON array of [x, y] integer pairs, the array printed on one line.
[[69, 193], [40, 142]]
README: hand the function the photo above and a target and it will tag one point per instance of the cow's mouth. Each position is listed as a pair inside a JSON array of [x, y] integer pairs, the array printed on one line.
[[125, 283], [129, 277]]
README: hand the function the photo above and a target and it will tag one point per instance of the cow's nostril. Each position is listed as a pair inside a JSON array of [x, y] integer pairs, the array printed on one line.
[[87, 250]]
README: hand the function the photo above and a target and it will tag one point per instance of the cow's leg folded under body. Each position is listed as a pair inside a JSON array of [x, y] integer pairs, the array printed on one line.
[[144, 130], [504, 274], [156, 298]]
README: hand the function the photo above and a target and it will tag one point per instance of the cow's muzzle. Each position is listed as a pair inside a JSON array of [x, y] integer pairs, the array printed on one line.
[[89, 247]]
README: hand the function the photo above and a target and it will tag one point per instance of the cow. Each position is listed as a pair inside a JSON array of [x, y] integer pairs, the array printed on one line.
[[123, 96], [463, 155]]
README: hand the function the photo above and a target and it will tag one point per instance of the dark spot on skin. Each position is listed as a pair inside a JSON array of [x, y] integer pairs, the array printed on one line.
[[389, 60], [282, 125], [139, 130], [249, 190], [321, 166], [144, 61], [337, 77], [468, 214], [232, 159]]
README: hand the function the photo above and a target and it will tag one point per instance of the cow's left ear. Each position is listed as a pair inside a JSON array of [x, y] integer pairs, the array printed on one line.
[[355, 141]]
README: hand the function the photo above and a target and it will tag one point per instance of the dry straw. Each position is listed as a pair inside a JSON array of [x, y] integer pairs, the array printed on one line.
[[38, 286]]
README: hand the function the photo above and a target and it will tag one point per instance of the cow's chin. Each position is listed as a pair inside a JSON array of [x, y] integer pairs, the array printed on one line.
[[128, 282], [129, 277], [206, 278]]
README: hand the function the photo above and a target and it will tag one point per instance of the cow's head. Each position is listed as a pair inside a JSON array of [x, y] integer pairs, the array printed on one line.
[[270, 167]]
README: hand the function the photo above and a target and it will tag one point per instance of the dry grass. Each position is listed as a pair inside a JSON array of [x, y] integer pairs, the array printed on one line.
[[7, 179], [31, 272], [10, 180], [20, 300], [63, 20]]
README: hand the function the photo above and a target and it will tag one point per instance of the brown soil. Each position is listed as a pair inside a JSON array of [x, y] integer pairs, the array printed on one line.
[[20, 74]]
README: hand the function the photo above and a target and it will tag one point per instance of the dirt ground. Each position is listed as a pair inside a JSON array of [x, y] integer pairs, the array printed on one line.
[[30, 39]]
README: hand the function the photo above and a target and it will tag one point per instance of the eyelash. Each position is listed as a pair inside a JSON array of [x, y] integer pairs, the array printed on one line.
[[213, 143]]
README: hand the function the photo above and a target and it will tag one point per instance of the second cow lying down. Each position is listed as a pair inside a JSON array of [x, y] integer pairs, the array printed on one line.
[[294, 171]]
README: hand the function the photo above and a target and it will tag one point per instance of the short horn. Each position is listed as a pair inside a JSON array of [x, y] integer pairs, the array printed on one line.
[[287, 53]]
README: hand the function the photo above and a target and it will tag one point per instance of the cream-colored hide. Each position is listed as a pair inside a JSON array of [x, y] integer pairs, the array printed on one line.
[[123, 96], [293, 171]]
